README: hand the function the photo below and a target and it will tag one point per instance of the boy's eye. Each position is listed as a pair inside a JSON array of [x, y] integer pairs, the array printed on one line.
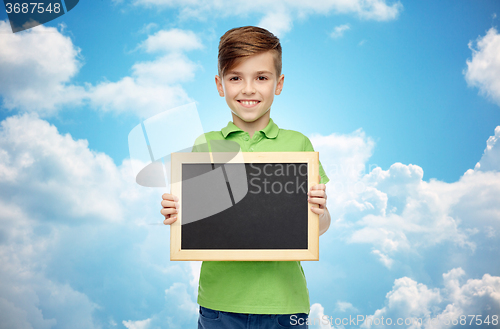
[[234, 78], [261, 78]]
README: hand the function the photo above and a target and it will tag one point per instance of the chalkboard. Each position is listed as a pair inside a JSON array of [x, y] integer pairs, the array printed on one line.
[[252, 206]]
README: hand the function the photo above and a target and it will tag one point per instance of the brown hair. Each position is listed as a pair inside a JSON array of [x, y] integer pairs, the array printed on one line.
[[242, 42]]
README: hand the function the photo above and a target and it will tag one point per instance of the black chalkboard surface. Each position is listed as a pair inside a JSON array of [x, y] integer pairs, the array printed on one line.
[[250, 207]]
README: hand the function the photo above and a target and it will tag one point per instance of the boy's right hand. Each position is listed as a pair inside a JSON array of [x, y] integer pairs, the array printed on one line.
[[170, 204]]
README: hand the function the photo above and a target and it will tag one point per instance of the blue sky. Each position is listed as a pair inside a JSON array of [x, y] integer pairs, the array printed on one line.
[[401, 99]]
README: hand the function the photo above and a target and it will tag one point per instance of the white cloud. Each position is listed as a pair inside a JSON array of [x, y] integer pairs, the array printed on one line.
[[383, 258], [344, 158], [130, 96], [378, 10], [183, 300], [70, 217], [277, 22], [148, 27], [173, 40], [483, 70], [476, 296], [439, 308], [416, 213], [166, 70], [278, 16], [490, 161], [396, 212], [52, 181], [407, 300], [154, 86], [474, 200], [399, 215], [345, 306], [140, 324], [36, 67], [317, 317], [28, 298], [40, 166], [179, 312], [338, 31], [195, 268]]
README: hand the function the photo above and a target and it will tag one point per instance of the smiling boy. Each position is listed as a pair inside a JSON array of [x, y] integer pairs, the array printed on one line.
[[249, 89], [253, 294]]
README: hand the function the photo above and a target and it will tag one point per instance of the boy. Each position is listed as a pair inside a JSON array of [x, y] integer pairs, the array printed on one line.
[[253, 294]]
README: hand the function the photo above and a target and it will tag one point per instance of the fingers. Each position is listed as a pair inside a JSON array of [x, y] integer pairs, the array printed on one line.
[[318, 201], [168, 211], [317, 195], [169, 204], [170, 208], [321, 202], [170, 197], [169, 220], [318, 211], [319, 187], [318, 190]]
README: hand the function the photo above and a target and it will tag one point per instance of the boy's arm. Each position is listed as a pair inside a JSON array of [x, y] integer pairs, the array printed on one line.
[[324, 221]]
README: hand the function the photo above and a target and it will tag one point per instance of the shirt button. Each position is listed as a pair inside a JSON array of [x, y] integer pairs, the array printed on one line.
[[245, 138]]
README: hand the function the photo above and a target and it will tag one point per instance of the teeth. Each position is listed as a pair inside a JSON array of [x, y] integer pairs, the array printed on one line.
[[249, 102]]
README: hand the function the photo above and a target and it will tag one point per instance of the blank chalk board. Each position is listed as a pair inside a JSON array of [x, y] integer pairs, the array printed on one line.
[[245, 206]]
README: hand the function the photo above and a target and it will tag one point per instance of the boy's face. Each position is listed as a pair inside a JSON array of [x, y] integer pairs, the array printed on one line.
[[250, 86]]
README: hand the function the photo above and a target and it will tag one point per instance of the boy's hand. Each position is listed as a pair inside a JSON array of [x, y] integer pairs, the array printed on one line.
[[317, 195], [170, 206]]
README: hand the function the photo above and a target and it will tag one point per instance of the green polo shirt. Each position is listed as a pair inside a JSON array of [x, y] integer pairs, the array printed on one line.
[[267, 287]]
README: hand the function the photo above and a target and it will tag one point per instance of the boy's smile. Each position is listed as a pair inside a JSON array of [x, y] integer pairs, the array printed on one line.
[[249, 89], [248, 103]]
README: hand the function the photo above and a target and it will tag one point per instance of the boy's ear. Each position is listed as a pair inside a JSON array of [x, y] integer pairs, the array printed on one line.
[[279, 85], [220, 88]]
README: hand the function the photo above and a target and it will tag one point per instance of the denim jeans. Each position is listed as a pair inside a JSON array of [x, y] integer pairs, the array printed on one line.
[[211, 319]]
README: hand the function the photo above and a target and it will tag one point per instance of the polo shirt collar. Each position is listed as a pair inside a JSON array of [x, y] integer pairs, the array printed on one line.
[[231, 127], [271, 130]]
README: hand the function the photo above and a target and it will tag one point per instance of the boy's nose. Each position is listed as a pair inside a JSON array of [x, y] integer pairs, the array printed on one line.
[[248, 88]]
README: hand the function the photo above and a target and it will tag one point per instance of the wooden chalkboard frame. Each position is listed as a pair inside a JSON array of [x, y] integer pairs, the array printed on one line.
[[311, 253]]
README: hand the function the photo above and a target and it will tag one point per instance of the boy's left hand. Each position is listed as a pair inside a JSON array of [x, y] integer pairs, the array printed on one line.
[[317, 195]]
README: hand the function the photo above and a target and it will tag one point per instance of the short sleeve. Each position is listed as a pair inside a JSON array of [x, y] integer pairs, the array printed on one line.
[[200, 144], [308, 147]]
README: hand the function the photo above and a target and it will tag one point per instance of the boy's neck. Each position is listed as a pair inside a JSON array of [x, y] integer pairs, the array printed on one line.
[[252, 127]]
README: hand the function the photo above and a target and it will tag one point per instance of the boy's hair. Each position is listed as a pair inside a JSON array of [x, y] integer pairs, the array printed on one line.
[[241, 42]]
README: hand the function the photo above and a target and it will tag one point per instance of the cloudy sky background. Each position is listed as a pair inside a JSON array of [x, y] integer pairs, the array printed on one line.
[[401, 99]]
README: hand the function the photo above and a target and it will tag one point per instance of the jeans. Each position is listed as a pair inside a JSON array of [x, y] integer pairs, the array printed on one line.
[[211, 319]]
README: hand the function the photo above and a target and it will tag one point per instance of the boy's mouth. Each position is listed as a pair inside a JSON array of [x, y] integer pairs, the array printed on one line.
[[248, 103]]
